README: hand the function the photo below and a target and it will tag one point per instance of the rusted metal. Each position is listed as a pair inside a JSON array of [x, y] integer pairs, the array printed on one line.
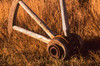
[[64, 47], [12, 15], [54, 51], [32, 34], [60, 46], [65, 23], [59, 36]]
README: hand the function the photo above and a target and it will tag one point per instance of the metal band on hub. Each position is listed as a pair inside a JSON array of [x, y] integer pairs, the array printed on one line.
[[60, 46]]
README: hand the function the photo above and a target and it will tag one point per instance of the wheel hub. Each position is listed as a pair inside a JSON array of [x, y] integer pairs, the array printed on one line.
[[57, 48], [63, 47]]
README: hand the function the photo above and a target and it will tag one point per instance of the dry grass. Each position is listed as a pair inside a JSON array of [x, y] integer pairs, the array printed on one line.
[[84, 17]]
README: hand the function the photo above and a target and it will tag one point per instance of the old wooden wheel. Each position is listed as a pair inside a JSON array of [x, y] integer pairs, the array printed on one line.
[[59, 47]]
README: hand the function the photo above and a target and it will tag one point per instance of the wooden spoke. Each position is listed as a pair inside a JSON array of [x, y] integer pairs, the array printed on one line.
[[37, 19], [65, 23], [32, 34]]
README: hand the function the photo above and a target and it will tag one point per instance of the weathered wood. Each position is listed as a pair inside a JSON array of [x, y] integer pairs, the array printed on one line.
[[37, 19], [65, 23], [12, 15], [32, 34]]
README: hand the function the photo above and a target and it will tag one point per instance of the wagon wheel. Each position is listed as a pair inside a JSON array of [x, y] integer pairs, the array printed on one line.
[[58, 46]]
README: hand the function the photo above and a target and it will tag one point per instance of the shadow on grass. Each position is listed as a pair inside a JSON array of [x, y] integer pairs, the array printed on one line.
[[92, 44]]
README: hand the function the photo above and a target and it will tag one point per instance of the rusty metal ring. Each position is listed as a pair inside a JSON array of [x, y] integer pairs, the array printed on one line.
[[54, 51], [59, 36], [62, 43]]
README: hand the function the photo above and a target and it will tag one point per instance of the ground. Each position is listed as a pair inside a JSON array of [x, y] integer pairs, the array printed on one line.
[[20, 49]]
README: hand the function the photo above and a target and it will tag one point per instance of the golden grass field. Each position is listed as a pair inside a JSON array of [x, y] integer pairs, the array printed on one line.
[[22, 50]]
